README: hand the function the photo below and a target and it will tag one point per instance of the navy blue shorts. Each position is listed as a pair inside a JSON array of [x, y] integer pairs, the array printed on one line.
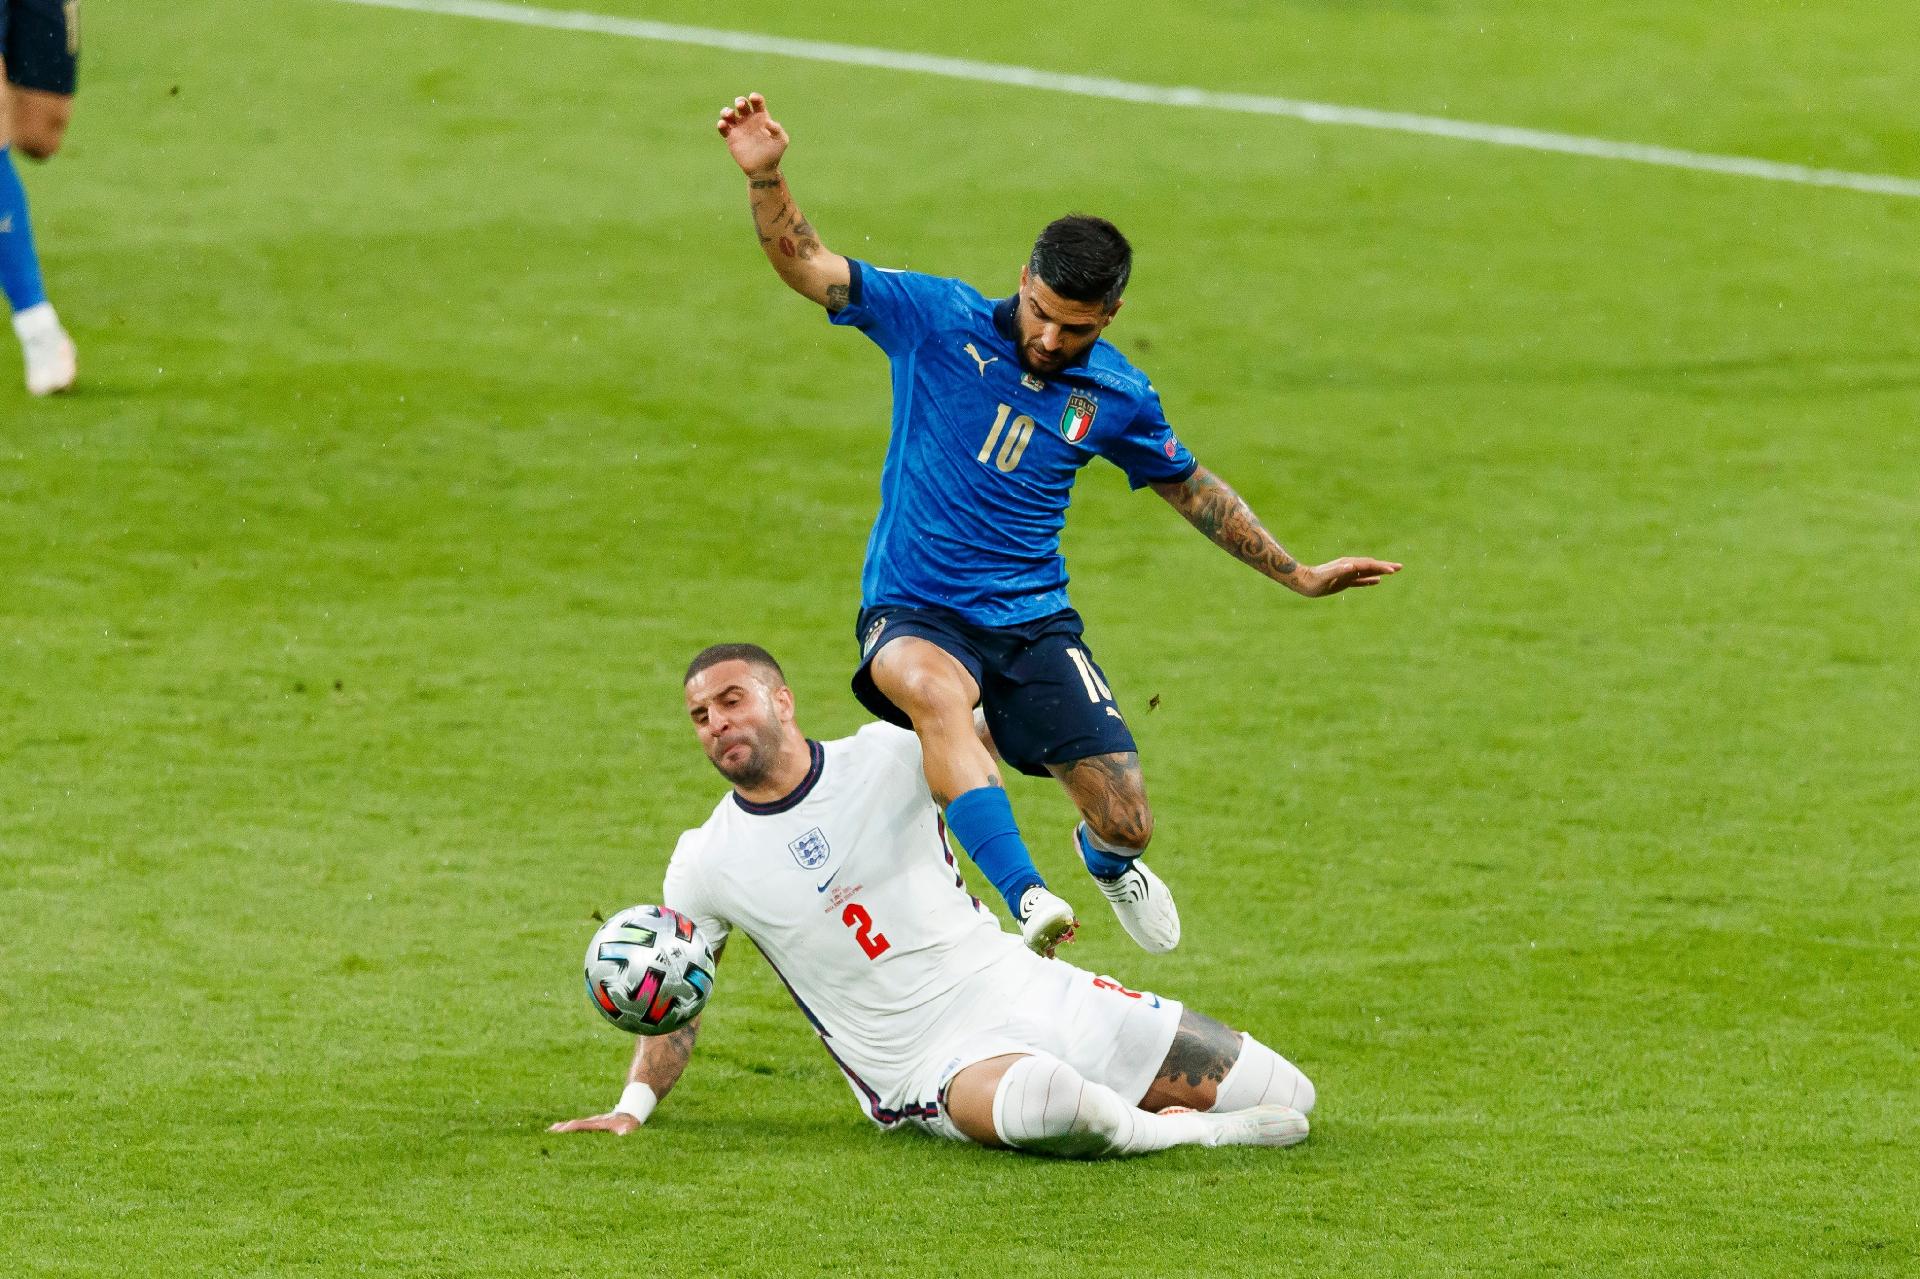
[[40, 41], [1046, 700]]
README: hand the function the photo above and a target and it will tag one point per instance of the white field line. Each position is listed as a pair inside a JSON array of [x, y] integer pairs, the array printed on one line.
[[1160, 95]]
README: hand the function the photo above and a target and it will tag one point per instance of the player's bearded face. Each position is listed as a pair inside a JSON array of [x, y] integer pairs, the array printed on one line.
[[738, 720], [1054, 331], [746, 753]]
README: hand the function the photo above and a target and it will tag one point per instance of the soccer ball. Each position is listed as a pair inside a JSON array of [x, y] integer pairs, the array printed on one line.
[[649, 970]]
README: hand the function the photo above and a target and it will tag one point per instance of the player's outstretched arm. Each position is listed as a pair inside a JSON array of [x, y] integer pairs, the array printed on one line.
[[658, 1062], [1224, 516], [757, 142]]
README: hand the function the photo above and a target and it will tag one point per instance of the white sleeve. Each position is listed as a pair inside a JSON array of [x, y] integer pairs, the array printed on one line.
[[684, 889]]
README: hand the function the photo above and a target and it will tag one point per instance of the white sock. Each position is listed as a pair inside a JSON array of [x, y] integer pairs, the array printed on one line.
[[35, 321], [1261, 1076], [1044, 1105]]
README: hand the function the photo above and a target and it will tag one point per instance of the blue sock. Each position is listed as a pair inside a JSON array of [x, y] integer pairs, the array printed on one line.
[[1103, 863], [982, 820], [19, 265]]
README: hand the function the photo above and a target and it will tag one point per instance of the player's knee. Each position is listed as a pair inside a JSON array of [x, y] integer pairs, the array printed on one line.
[[1044, 1106], [924, 692], [39, 130], [1262, 1077]]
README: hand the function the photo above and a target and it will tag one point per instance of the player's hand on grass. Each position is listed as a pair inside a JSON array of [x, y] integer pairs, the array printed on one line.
[[1337, 575], [617, 1122], [755, 138]]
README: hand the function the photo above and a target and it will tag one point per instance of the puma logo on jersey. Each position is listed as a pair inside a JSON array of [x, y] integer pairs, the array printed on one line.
[[968, 348]]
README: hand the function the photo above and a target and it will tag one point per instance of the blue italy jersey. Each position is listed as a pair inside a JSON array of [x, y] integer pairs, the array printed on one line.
[[981, 463]]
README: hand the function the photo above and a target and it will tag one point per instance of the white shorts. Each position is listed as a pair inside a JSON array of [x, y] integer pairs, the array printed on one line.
[[1111, 1035]]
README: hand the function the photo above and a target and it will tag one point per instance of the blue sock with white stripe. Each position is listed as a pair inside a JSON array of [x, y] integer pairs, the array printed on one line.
[[19, 264], [982, 820], [1105, 861]]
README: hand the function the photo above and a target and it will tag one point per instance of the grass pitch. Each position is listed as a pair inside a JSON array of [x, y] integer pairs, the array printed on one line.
[[437, 406]]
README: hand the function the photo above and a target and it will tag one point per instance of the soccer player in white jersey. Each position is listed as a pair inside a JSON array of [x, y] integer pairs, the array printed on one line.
[[833, 858]]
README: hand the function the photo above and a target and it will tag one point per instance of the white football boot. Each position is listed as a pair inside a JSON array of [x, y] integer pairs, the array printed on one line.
[[53, 363], [1144, 904], [1269, 1125], [1046, 922]]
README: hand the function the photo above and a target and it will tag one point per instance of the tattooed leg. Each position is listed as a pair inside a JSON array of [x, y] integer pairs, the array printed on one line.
[[1212, 1066], [1203, 1052], [1112, 797], [1111, 793]]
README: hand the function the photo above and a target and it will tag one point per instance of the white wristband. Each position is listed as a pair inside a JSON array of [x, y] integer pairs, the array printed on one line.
[[637, 1100]]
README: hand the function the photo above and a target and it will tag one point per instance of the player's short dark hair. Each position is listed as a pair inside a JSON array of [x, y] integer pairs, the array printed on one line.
[[1083, 258], [751, 654]]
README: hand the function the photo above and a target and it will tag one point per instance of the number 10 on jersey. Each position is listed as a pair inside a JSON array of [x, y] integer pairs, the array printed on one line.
[[1014, 447]]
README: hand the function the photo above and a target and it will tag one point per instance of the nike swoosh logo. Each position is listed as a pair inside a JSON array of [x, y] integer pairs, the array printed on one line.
[[823, 887]]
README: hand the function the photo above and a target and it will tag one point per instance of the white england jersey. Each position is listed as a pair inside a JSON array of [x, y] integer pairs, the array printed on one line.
[[849, 888]]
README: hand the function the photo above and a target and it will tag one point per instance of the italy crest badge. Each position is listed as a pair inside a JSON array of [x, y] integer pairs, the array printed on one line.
[[1078, 419]]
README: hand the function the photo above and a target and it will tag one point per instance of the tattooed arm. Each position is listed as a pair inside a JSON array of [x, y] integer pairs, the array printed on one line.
[[658, 1063], [757, 142], [1224, 516]]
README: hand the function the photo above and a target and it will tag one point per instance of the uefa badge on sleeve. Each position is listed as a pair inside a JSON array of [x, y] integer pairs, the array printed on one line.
[[1078, 419]]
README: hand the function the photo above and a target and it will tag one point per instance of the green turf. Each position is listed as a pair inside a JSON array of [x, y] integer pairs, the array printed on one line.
[[437, 405]]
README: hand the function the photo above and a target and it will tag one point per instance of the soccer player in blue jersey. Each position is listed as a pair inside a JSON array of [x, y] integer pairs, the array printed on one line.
[[40, 45], [996, 407]]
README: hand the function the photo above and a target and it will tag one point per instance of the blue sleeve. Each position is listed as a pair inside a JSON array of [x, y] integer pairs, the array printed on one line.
[[894, 308], [1148, 450]]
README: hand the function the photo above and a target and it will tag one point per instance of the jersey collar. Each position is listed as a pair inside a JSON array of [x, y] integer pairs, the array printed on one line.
[[794, 796]]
